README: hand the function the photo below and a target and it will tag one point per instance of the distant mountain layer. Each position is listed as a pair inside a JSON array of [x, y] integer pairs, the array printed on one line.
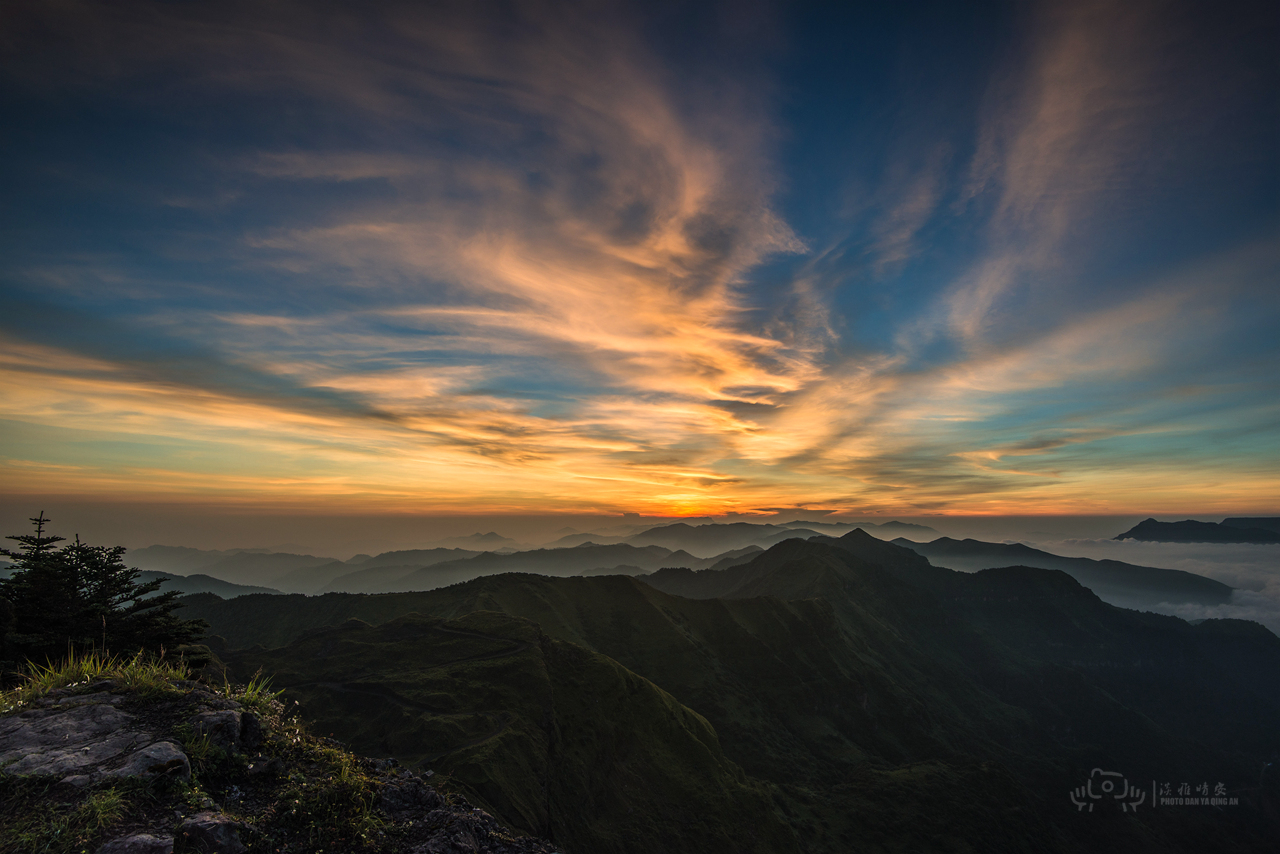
[[1266, 523], [1116, 582], [201, 584], [615, 559], [489, 542], [177, 559], [883, 703], [238, 566], [709, 539], [291, 573], [706, 540], [417, 557], [185, 584], [413, 569], [1190, 531], [899, 529]]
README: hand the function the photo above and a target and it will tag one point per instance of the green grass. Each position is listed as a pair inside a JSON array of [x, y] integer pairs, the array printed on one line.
[[146, 676], [33, 821], [255, 695], [330, 807]]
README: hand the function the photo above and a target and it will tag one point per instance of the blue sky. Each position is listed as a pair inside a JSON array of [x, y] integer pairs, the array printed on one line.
[[660, 258]]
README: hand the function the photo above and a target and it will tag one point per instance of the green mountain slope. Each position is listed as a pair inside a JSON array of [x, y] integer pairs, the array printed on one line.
[[559, 741], [838, 669]]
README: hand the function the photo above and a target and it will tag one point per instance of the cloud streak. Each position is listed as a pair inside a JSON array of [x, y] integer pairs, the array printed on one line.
[[1064, 134], [429, 260]]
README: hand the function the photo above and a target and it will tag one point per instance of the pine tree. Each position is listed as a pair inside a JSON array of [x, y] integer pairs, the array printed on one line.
[[80, 596]]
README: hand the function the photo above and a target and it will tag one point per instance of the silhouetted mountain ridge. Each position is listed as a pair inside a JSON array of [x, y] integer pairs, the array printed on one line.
[[1191, 531], [1119, 583], [1266, 523]]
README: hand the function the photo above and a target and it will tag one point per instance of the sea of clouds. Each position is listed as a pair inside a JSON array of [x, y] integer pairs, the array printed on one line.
[[1254, 570]]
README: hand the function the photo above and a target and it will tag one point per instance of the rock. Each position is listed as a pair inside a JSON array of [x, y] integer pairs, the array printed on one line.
[[76, 743], [101, 697], [222, 728], [139, 843], [250, 732], [84, 739], [62, 741], [162, 759], [212, 833], [472, 832], [208, 699], [406, 798]]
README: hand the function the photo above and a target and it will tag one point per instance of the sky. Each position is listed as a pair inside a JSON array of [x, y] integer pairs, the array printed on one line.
[[727, 259]]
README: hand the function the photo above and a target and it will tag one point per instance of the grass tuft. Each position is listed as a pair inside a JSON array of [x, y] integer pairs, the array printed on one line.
[[34, 821], [148, 676], [256, 696], [101, 810]]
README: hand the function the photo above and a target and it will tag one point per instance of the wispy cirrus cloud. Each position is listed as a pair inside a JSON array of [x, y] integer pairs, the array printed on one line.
[[440, 255], [549, 265], [1065, 134]]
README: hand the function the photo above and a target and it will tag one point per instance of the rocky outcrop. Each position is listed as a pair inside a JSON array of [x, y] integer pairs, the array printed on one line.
[[246, 781], [139, 843], [229, 729], [84, 738], [212, 833]]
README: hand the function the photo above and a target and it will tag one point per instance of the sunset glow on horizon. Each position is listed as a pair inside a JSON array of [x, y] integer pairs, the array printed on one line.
[[595, 258]]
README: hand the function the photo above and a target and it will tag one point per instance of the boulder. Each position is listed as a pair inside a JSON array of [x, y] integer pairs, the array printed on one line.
[[250, 732], [406, 798], [162, 759], [60, 741], [221, 728], [139, 843], [212, 833], [469, 832]]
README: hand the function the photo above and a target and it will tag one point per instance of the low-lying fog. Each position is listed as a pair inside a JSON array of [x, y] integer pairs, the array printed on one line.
[[1254, 570]]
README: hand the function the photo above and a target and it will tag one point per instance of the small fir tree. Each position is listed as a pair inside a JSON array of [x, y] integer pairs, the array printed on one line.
[[80, 596]]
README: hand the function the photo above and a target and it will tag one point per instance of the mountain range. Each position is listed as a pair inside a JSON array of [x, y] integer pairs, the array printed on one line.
[[649, 550], [827, 695]]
